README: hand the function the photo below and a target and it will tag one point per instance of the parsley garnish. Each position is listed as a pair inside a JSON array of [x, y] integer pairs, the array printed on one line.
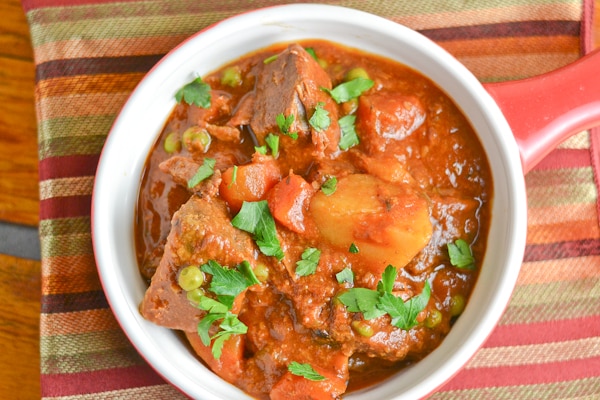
[[273, 143], [353, 248], [226, 284], [233, 176], [196, 92], [204, 171], [375, 303], [309, 261], [270, 59], [461, 255], [348, 135], [312, 53], [349, 90], [362, 300], [255, 218], [329, 186], [320, 119], [305, 371], [261, 149], [404, 314], [284, 123], [345, 275]]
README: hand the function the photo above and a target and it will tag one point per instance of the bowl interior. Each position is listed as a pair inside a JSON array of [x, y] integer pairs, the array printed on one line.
[[143, 116]]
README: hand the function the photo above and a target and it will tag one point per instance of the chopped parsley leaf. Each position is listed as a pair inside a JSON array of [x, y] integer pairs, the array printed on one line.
[[320, 119], [362, 300], [375, 303], [285, 123], [329, 186], [345, 275], [305, 371], [270, 59], [197, 92], [226, 284], [461, 255], [309, 262], [404, 314], [312, 53], [273, 143], [349, 90], [261, 149], [255, 218], [233, 176], [204, 171], [348, 135], [353, 249]]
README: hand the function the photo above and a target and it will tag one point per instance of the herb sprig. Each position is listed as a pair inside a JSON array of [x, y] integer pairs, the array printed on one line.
[[226, 284], [196, 92], [205, 171], [329, 186], [320, 119], [285, 123], [309, 261], [349, 90], [348, 135], [376, 303], [461, 255], [256, 219], [305, 371]]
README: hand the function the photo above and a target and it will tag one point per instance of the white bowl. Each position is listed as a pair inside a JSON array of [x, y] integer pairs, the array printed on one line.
[[143, 116]]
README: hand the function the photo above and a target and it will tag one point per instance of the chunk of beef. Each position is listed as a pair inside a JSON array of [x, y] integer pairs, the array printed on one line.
[[220, 108], [452, 217], [182, 169], [276, 338], [201, 231], [291, 85], [224, 133]]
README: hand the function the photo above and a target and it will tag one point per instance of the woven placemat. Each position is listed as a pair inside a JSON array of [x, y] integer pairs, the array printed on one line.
[[89, 56]]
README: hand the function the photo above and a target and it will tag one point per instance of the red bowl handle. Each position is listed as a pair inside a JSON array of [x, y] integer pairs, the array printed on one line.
[[545, 110]]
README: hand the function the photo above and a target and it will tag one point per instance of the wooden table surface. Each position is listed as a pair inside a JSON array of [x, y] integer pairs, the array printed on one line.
[[19, 201]]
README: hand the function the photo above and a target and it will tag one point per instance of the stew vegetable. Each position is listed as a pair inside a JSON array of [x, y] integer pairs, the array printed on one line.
[[312, 218]]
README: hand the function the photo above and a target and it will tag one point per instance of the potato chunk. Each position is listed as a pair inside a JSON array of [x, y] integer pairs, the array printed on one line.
[[389, 223]]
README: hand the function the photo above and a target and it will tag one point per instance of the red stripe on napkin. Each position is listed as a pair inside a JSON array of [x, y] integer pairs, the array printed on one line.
[[65, 207], [530, 374], [544, 332], [54, 385], [68, 166]]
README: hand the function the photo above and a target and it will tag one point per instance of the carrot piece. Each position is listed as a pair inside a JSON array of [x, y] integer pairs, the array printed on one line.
[[249, 182], [230, 365], [291, 386], [289, 200]]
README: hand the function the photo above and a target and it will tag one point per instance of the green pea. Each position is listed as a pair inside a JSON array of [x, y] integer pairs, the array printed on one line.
[[196, 138], [457, 304], [194, 295], [434, 317], [232, 76], [362, 328], [172, 143], [356, 73], [190, 278]]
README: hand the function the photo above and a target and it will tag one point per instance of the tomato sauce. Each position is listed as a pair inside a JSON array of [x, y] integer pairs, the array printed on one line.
[[415, 181]]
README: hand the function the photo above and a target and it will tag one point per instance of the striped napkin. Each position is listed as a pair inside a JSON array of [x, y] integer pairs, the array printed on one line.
[[89, 56]]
